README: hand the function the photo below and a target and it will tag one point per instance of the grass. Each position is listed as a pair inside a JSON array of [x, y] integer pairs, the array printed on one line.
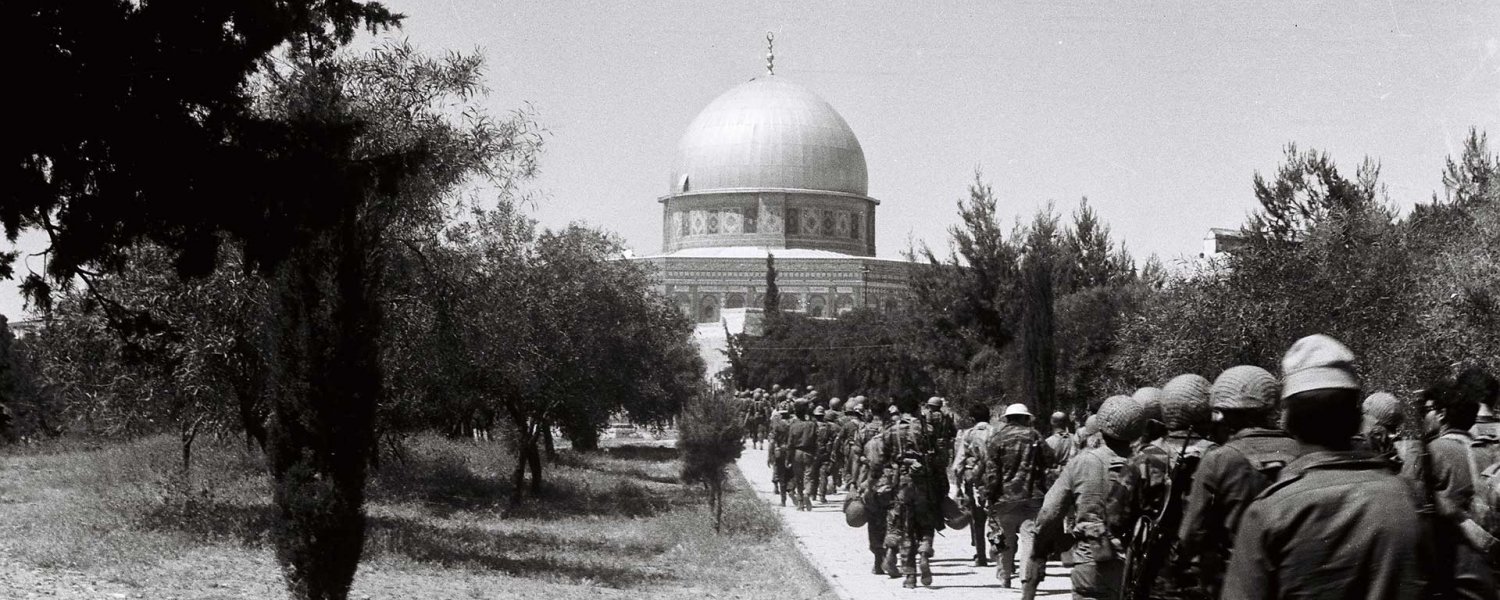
[[112, 519]]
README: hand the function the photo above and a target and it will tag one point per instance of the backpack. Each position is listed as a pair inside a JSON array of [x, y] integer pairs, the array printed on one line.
[[1269, 464]]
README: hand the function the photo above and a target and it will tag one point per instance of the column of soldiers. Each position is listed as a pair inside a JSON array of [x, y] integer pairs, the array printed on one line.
[[1247, 486]]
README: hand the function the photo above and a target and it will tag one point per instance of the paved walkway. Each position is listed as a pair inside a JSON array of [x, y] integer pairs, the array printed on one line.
[[841, 552]]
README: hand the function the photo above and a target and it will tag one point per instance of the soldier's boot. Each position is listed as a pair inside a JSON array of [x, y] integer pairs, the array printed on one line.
[[879, 568], [783, 496], [925, 567], [890, 563], [976, 530]]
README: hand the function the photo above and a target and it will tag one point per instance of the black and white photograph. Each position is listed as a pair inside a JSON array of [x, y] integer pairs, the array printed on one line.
[[958, 300]]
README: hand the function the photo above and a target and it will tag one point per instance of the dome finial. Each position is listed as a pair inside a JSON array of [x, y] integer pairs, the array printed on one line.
[[770, 53]]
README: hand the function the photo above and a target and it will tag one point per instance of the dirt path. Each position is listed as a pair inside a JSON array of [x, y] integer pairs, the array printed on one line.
[[840, 552]]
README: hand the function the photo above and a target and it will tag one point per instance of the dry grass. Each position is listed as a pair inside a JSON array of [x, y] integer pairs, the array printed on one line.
[[120, 519]]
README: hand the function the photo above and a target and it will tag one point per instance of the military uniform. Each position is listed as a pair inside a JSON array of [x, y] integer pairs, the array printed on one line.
[[779, 458], [1228, 479], [1017, 463], [823, 459], [1336, 525], [1452, 476], [968, 460], [849, 449], [803, 443], [1087, 491], [908, 462], [1063, 445], [878, 495]]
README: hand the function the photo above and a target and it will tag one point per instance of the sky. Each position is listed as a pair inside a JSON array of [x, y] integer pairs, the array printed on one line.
[[1159, 112]]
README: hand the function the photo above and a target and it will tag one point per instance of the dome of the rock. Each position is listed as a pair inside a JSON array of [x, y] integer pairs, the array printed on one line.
[[769, 134]]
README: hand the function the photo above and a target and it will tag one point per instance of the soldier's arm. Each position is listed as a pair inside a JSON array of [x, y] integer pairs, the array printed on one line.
[[1057, 502], [990, 475], [1250, 575]]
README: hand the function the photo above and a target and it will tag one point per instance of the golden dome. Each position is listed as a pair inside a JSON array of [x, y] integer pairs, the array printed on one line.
[[769, 133]]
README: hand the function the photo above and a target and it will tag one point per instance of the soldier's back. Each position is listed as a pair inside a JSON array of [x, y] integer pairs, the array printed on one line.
[[1284, 549]]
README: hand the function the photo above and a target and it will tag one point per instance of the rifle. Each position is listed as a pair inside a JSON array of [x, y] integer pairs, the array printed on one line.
[[1151, 539]]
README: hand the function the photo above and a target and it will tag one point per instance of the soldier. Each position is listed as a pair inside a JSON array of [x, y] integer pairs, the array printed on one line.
[[833, 469], [1016, 463], [803, 441], [1379, 426], [1061, 442], [1150, 464], [781, 452], [1230, 476], [1338, 523], [1084, 492], [822, 459], [943, 431], [969, 460], [760, 417], [1453, 467], [849, 450], [1474, 382], [909, 458], [1146, 494], [877, 488]]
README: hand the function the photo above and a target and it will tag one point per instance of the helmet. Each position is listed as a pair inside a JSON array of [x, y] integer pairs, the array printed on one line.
[[1150, 400], [1184, 402], [1017, 409], [1243, 387], [1120, 417]]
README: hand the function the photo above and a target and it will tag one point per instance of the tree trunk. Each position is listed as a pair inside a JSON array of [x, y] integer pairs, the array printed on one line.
[[534, 458], [188, 435], [518, 475], [716, 492], [547, 438]]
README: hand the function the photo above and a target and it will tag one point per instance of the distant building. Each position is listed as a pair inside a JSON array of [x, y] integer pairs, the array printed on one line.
[[25, 327], [1220, 240], [770, 168]]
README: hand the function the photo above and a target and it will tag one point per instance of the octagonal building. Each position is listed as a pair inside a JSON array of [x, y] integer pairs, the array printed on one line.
[[770, 168]]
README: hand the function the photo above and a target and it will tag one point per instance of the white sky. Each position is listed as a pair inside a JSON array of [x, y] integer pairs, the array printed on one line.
[[1159, 112]]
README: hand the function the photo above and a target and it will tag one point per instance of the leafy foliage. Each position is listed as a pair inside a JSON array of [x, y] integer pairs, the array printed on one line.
[[711, 437]]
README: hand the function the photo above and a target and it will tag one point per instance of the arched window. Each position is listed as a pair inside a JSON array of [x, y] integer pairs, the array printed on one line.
[[708, 308], [890, 305], [734, 300], [791, 302], [846, 303], [817, 305]]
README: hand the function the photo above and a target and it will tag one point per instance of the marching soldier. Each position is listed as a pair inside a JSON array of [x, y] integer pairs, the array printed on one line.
[[969, 461], [781, 452], [1338, 523], [1016, 463], [1380, 426], [1062, 442], [823, 462], [909, 457], [1148, 491], [878, 488], [849, 441], [1084, 492], [803, 441], [1229, 478]]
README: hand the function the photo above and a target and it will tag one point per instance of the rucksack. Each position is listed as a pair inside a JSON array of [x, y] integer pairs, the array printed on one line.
[[1269, 464]]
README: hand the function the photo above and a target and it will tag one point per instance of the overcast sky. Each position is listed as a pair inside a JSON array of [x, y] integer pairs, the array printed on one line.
[[1159, 112]]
